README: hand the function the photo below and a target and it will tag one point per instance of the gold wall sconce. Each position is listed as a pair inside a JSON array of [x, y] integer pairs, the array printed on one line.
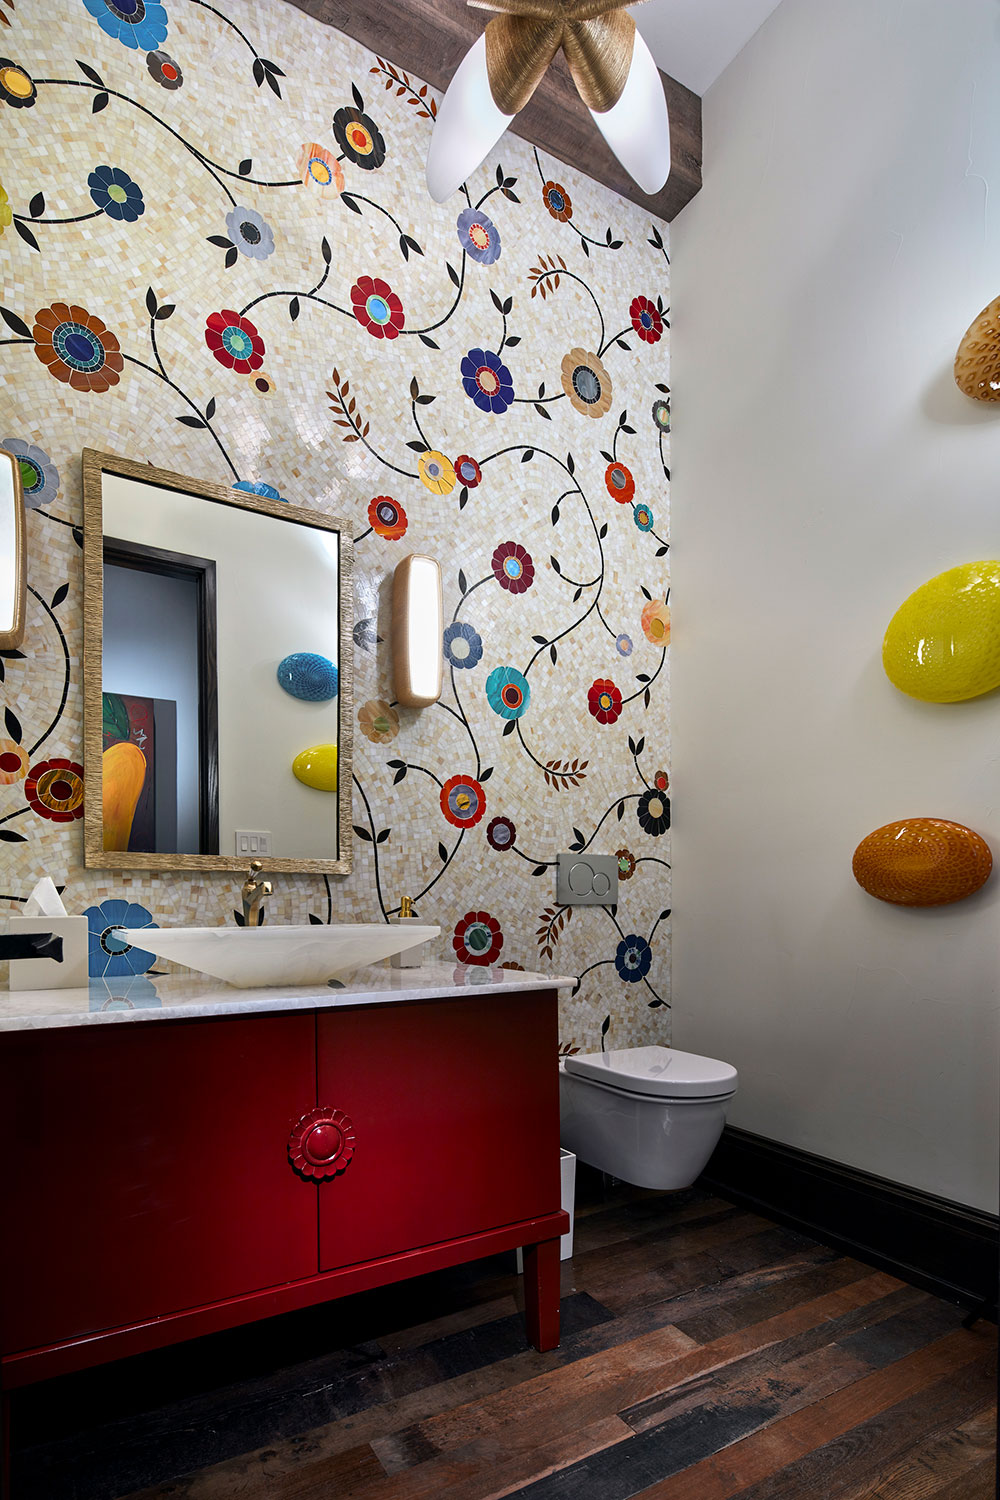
[[417, 625], [977, 363], [13, 553]]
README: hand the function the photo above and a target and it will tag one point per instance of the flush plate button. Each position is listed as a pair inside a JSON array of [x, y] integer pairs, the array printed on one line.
[[587, 880]]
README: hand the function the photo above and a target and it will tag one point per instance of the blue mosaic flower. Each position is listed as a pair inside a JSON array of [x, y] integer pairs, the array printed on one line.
[[110, 955], [250, 232], [139, 24], [487, 380], [643, 517], [463, 646], [508, 692], [39, 475], [115, 192], [633, 958], [258, 487], [623, 644], [131, 992], [478, 236]]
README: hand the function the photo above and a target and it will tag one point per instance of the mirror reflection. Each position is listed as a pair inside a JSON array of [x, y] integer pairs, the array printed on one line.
[[215, 671]]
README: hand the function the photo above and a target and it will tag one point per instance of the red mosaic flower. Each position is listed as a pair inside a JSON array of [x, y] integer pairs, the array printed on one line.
[[388, 518], [234, 341], [54, 788], [478, 938], [661, 781], [513, 568], [604, 701], [619, 482], [468, 471], [463, 801], [646, 320], [501, 833], [377, 307]]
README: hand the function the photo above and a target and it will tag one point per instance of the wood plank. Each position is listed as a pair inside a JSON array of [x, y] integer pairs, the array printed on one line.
[[948, 1461], [429, 38]]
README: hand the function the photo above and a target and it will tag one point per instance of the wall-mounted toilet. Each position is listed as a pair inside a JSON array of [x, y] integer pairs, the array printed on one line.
[[647, 1115]]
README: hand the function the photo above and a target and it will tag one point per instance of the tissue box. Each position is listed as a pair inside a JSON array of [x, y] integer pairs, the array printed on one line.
[[45, 973]]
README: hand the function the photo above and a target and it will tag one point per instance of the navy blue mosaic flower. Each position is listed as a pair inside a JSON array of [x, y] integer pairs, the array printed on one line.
[[633, 958], [487, 380], [508, 692], [139, 24], [114, 191], [463, 646], [478, 236], [111, 955]]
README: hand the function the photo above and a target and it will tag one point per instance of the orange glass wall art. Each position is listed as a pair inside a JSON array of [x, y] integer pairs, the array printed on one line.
[[922, 862]]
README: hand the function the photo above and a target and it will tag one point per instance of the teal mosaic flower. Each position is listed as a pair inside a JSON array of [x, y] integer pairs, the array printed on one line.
[[508, 692], [136, 24], [111, 955]]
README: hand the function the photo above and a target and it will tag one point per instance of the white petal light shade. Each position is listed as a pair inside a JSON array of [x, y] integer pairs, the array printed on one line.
[[637, 128], [467, 127]]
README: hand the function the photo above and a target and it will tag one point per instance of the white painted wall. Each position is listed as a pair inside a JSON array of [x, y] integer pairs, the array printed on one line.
[[824, 466]]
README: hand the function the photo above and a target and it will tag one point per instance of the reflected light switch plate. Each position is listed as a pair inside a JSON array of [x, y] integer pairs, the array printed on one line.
[[587, 880], [253, 842]]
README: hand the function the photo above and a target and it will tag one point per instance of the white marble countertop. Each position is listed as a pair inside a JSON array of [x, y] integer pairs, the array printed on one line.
[[171, 997]]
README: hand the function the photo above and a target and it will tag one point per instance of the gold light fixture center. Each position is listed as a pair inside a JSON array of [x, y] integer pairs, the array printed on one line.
[[525, 35]]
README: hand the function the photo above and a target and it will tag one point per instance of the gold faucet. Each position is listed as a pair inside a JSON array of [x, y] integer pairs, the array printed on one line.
[[255, 893]]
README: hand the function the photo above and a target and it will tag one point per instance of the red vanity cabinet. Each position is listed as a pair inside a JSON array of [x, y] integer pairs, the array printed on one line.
[[166, 1178]]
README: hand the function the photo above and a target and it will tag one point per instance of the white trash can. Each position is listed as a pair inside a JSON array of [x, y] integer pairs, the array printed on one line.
[[567, 1195]]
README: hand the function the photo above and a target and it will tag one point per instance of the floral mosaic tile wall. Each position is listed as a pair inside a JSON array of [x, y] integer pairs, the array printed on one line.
[[218, 254]]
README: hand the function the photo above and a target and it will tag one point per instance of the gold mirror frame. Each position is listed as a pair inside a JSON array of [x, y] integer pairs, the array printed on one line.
[[12, 638], [95, 465]]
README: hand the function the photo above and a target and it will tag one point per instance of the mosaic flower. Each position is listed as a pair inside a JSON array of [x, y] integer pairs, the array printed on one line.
[[646, 320], [557, 201], [626, 863], [633, 958], [653, 812], [661, 781], [111, 956], [377, 308], [39, 475], [604, 701], [164, 69], [463, 801], [487, 380], [619, 482], [234, 341], [436, 472], [6, 212], [656, 623], [586, 382], [507, 692], [139, 24], [114, 191], [468, 471], [319, 168], [463, 646], [643, 517], [379, 721], [513, 568], [13, 762], [17, 88], [359, 138], [478, 938], [501, 833], [77, 348], [260, 488], [125, 992], [54, 788], [250, 232], [623, 644], [261, 383], [661, 415], [479, 236], [388, 518]]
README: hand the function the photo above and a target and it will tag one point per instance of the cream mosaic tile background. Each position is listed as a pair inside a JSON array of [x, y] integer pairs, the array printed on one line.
[[594, 567]]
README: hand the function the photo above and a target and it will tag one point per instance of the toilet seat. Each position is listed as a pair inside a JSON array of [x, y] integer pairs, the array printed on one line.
[[656, 1073]]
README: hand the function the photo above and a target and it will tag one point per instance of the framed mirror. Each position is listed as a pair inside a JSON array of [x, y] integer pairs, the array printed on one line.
[[13, 553], [217, 676]]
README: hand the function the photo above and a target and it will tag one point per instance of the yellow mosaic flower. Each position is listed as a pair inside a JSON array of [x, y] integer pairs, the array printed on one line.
[[379, 721], [6, 213], [436, 472]]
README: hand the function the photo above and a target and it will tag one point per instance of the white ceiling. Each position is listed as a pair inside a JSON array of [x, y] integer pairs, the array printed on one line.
[[694, 40]]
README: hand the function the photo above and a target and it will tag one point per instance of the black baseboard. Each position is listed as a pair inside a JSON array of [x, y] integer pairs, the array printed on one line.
[[941, 1246]]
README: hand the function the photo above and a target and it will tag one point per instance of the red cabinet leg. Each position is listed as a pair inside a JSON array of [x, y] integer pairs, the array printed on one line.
[[541, 1294]]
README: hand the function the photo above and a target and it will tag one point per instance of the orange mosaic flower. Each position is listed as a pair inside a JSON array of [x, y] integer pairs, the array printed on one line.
[[319, 168], [656, 623], [77, 348], [13, 762]]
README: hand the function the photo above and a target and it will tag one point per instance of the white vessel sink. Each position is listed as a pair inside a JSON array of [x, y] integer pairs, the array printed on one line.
[[251, 957]]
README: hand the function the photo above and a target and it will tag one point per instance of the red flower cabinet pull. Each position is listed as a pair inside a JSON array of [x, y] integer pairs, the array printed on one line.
[[322, 1143]]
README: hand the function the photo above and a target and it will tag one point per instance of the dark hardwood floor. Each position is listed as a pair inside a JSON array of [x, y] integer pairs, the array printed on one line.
[[707, 1354]]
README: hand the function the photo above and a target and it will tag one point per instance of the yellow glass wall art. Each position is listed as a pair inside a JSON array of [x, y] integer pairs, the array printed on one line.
[[124, 773], [943, 643]]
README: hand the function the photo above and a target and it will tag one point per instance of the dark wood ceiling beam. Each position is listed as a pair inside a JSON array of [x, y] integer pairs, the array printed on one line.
[[429, 38]]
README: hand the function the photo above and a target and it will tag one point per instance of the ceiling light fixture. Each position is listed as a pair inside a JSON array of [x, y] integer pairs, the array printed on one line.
[[612, 68]]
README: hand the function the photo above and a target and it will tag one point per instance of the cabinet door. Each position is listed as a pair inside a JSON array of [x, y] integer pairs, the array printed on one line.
[[454, 1111], [145, 1169]]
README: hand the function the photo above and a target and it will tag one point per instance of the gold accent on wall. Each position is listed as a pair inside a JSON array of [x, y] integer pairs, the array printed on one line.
[[522, 40], [977, 363]]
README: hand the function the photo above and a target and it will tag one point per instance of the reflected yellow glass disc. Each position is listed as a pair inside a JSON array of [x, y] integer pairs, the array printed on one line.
[[943, 643], [317, 767]]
